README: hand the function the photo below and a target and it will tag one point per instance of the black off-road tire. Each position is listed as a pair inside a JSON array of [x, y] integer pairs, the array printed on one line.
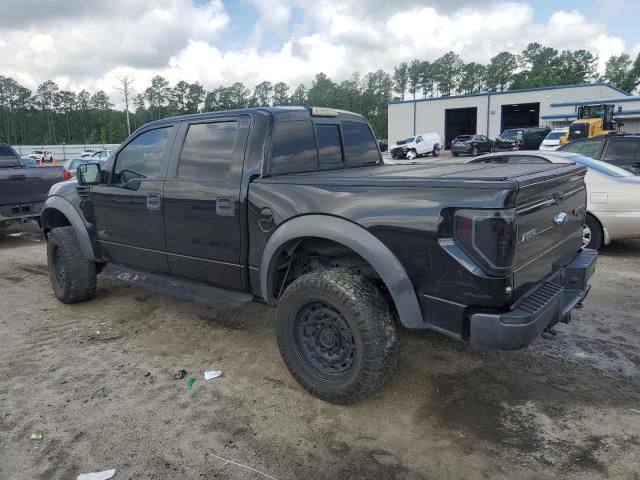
[[73, 278], [371, 332]]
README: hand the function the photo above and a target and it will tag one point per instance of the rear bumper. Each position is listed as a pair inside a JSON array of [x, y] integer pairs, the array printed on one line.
[[20, 212], [550, 303], [460, 148]]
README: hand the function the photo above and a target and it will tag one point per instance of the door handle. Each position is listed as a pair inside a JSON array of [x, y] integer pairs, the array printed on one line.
[[225, 207], [153, 201]]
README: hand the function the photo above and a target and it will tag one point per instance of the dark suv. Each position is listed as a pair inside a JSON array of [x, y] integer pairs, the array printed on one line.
[[622, 150], [521, 138]]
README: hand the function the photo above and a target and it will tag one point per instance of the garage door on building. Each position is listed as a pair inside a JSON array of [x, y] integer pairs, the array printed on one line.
[[520, 115], [459, 121]]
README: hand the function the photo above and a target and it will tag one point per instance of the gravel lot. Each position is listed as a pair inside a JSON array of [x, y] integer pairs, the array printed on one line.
[[97, 379]]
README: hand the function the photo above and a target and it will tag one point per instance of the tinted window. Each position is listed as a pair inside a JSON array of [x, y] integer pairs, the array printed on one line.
[[294, 148], [359, 145], [589, 148], [142, 158], [622, 149], [208, 150], [8, 157], [329, 148]]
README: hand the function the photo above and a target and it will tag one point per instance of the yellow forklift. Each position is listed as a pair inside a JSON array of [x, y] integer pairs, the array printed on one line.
[[593, 120]]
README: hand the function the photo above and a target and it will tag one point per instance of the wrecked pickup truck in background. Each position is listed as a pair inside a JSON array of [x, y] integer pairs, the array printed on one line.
[[23, 189], [294, 206]]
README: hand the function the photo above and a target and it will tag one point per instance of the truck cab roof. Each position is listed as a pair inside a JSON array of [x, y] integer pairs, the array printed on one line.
[[278, 113]]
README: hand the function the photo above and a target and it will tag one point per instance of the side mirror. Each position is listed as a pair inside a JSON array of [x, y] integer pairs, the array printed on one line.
[[89, 174]]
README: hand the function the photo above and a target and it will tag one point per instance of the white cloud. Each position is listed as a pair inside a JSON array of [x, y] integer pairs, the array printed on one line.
[[180, 40]]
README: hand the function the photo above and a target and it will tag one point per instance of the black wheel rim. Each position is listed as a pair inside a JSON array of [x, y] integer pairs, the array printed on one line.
[[324, 341], [58, 267]]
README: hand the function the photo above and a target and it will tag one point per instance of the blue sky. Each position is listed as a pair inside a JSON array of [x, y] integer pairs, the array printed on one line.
[[90, 43]]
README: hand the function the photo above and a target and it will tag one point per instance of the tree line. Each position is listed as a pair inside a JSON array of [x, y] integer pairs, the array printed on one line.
[[53, 116]]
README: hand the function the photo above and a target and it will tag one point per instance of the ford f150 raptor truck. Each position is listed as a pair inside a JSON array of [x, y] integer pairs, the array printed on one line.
[[295, 207], [23, 189]]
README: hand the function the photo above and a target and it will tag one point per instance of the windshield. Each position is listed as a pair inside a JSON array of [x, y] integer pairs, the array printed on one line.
[[592, 111], [555, 135], [602, 167], [512, 134], [406, 140]]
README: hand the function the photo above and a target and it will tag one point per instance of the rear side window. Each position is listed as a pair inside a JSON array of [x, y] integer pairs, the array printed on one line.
[[208, 150], [329, 146], [622, 149], [359, 145], [8, 157], [294, 148]]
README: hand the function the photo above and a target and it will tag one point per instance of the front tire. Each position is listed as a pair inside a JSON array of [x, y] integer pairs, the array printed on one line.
[[73, 278], [592, 234], [474, 151], [412, 154], [455, 154], [336, 335]]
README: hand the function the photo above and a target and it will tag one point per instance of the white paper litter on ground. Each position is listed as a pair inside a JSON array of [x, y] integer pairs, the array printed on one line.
[[212, 374], [97, 475]]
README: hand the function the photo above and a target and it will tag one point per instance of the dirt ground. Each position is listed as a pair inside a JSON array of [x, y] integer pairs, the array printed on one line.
[[97, 379]]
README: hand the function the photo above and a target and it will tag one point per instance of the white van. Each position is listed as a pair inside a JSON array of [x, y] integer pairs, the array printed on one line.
[[413, 147], [552, 140]]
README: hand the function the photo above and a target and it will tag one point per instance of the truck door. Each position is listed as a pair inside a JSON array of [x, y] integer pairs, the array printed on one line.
[[128, 209], [202, 200]]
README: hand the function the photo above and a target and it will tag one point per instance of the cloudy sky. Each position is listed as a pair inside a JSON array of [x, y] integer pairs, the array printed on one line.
[[89, 43]]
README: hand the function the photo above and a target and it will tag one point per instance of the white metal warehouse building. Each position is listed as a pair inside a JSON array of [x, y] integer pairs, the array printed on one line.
[[491, 113]]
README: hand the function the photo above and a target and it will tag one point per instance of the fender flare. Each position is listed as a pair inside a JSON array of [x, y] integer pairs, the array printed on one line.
[[69, 211], [357, 239]]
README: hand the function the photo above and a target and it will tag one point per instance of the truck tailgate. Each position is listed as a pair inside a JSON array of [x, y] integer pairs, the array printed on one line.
[[28, 184], [550, 218]]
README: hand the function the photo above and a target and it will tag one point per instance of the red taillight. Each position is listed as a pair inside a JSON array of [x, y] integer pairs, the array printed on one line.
[[66, 175], [487, 236]]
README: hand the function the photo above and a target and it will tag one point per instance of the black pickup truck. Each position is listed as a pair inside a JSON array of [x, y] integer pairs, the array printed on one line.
[[23, 189], [295, 207]]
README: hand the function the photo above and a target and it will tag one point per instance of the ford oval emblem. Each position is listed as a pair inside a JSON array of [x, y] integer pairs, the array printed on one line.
[[561, 218]]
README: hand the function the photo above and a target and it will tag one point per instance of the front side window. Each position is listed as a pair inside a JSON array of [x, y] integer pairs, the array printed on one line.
[[360, 146], [208, 150], [329, 146], [588, 148], [294, 148], [142, 157]]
